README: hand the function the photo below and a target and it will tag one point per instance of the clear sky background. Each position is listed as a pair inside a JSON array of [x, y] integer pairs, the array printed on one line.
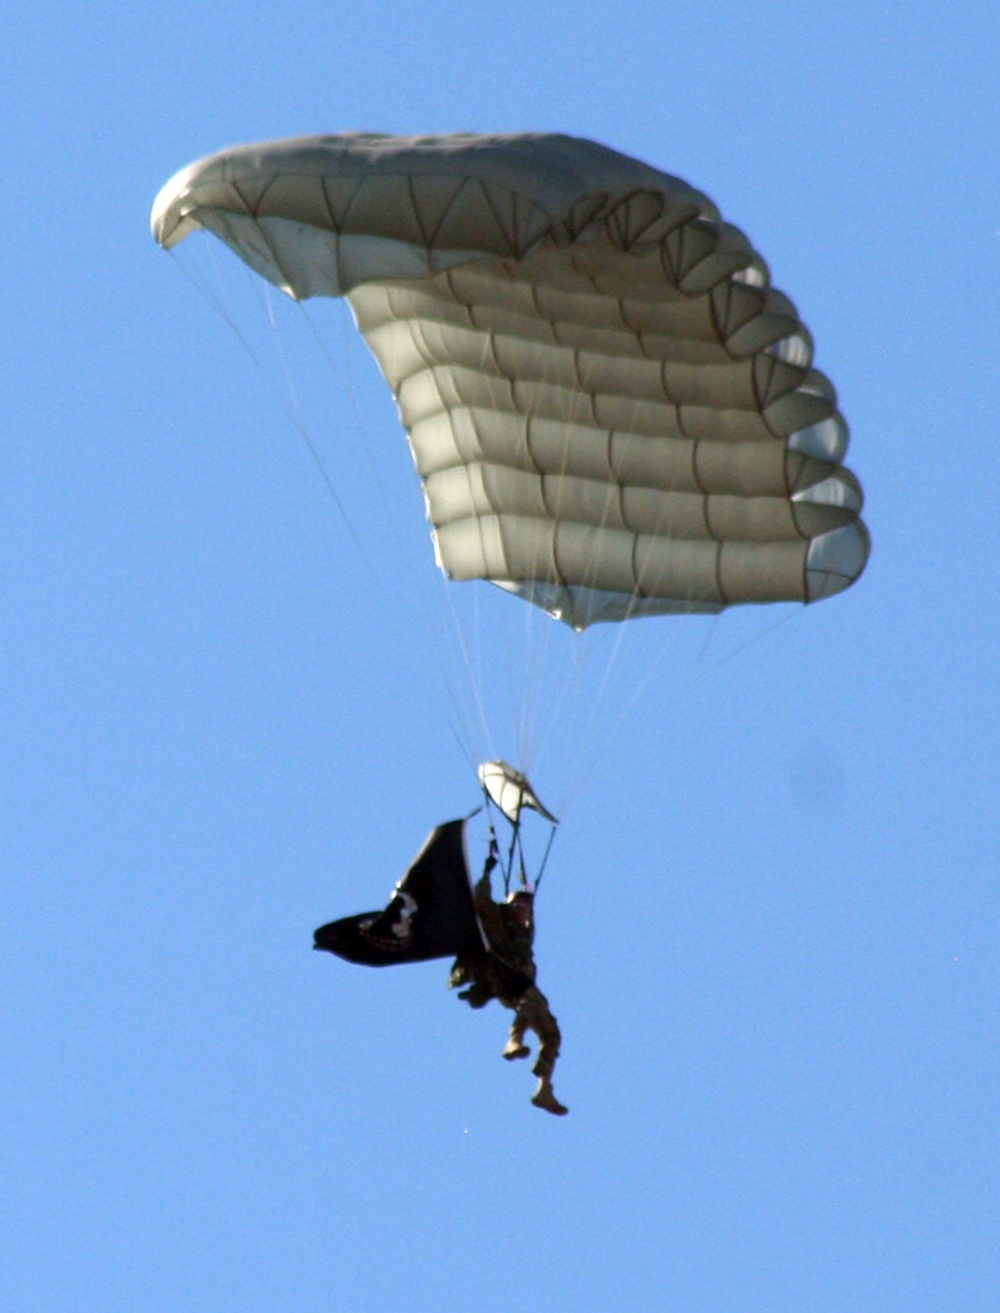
[[770, 924]]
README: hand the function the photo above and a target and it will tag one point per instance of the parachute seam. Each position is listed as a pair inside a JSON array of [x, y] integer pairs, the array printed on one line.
[[722, 337], [719, 548], [706, 493], [450, 207], [491, 347], [331, 215], [637, 591], [666, 259], [756, 384], [623, 315], [480, 521], [458, 297], [805, 577], [254, 214], [563, 465], [430, 234], [679, 273], [528, 444], [352, 201], [619, 221], [254, 210], [508, 232], [428, 241]]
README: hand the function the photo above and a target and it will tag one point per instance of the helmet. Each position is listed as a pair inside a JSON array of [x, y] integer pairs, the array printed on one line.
[[524, 896]]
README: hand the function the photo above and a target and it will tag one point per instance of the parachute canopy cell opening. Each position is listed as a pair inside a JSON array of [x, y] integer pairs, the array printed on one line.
[[612, 411]]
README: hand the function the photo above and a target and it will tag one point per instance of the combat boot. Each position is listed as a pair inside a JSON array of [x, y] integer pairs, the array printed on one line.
[[544, 1097], [477, 996], [516, 1049]]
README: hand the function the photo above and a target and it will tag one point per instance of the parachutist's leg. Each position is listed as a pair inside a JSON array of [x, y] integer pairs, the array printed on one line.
[[534, 1012], [515, 1046]]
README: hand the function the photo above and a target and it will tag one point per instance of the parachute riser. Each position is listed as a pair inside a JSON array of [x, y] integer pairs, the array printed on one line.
[[545, 858], [515, 852]]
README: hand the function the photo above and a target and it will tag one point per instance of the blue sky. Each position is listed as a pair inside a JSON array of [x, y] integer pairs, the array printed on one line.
[[770, 925]]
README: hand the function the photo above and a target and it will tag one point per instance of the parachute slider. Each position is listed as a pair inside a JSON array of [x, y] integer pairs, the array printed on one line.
[[509, 790]]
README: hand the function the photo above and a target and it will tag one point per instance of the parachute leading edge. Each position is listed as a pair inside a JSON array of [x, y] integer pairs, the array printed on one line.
[[612, 411]]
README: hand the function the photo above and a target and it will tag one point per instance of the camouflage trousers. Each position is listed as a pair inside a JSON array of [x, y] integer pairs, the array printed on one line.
[[532, 1012]]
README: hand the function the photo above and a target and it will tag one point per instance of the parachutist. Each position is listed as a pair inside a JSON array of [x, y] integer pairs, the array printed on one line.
[[507, 973], [434, 912]]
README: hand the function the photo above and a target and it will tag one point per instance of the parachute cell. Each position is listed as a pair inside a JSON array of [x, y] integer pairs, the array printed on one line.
[[612, 411]]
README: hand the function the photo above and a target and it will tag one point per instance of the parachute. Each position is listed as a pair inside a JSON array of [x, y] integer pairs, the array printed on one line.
[[612, 411]]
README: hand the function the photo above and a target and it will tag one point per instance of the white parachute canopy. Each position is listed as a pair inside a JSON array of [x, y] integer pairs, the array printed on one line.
[[612, 411], [510, 791]]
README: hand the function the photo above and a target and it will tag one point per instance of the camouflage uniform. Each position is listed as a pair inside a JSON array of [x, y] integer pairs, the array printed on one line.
[[507, 973]]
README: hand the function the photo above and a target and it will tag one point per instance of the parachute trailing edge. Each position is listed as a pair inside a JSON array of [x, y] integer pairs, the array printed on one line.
[[612, 411]]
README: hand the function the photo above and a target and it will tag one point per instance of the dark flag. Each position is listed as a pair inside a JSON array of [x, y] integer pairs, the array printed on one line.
[[430, 913]]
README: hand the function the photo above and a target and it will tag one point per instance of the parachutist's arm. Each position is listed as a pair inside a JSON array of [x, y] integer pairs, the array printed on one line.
[[484, 889], [482, 894]]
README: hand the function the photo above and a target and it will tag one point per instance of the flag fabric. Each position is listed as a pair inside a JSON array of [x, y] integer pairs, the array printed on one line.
[[430, 912]]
